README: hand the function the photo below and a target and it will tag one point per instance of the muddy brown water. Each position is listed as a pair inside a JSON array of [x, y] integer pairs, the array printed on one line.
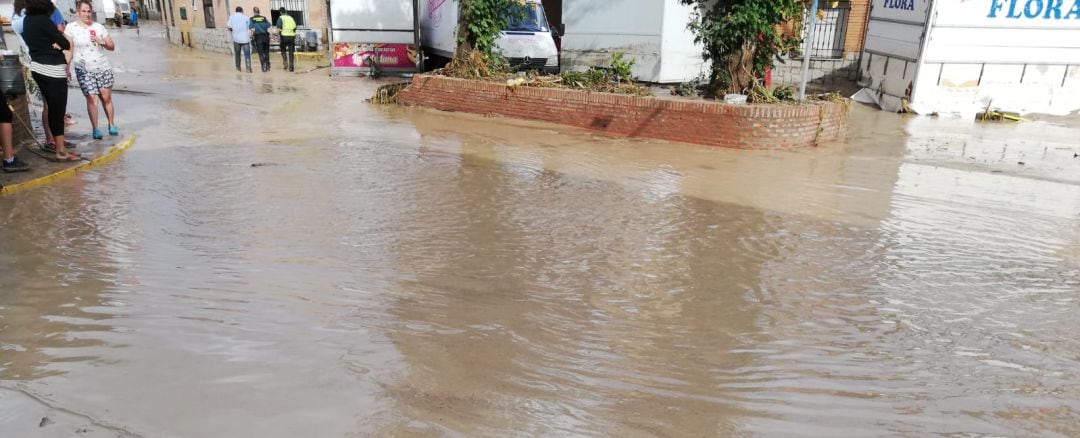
[[403, 272]]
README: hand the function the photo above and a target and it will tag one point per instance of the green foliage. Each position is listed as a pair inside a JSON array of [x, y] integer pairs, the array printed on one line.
[[480, 22], [694, 87], [621, 67], [784, 93], [779, 94], [685, 89], [741, 38], [601, 80], [592, 78]]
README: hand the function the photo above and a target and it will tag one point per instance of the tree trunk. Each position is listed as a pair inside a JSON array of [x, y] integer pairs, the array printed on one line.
[[464, 46], [734, 74], [740, 67]]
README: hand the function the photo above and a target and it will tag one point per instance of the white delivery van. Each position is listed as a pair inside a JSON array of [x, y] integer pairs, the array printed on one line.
[[106, 12], [652, 33], [527, 42], [958, 57], [125, 11]]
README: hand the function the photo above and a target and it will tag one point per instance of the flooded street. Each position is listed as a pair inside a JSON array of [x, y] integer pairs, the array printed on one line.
[[276, 258]]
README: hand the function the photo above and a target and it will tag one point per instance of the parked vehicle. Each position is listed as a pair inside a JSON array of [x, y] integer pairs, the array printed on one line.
[[962, 57], [527, 43], [652, 33], [106, 12], [369, 38], [124, 9]]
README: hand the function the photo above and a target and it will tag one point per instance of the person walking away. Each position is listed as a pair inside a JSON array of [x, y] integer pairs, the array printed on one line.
[[48, 67], [92, 68], [260, 26], [287, 25], [240, 26], [135, 21], [10, 162]]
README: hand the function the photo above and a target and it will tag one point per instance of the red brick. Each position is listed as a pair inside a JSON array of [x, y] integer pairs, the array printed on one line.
[[708, 123]]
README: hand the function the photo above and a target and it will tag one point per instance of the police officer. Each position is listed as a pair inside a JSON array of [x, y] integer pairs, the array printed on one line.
[[260, 25], [287, 25]]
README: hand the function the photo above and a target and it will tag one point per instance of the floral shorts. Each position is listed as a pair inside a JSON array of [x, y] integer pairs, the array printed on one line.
[[92, 82]]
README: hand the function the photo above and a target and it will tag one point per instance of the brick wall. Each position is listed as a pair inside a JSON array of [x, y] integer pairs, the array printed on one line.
[[707, 123]]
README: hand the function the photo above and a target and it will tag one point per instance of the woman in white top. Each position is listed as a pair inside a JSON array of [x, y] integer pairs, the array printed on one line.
[[92, 68]]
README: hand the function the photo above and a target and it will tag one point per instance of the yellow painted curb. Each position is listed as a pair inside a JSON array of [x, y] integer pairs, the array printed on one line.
[[106, 156]]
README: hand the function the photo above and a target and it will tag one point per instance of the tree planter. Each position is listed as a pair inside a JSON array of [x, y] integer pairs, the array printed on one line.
[[701, 122]]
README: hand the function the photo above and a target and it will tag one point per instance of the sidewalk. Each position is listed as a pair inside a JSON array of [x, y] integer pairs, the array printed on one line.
[[27, 136], [43, 171]]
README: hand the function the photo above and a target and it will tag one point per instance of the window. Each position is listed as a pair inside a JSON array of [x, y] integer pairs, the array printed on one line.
[[296, 9], [829, 31]]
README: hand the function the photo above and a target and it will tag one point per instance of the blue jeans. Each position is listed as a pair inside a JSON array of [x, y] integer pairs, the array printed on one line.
[[246, 47]]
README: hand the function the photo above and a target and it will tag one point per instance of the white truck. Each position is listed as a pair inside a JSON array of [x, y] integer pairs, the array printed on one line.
[[527, 43], [105, 12], [369, 38], [652, 33], [959, 57]]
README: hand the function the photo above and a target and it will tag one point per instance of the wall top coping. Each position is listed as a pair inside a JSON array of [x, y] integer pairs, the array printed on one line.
[[585, 96]]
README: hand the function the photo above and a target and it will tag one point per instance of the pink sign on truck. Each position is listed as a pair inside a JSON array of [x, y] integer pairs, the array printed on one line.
[[392, 56]]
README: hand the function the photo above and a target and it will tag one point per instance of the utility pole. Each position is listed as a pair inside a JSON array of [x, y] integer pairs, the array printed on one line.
[[811, 23]]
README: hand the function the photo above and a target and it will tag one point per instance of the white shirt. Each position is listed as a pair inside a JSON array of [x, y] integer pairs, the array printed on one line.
[[239, 24], [87, 55]]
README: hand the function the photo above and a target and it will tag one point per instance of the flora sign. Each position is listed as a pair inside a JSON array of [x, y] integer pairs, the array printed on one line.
[[1035, 9], [908, 5]]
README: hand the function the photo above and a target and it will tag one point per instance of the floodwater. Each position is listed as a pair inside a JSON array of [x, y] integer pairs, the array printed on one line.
[[276, 258]]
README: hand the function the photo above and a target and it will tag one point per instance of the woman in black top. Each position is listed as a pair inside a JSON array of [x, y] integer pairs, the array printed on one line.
[[48, 66]]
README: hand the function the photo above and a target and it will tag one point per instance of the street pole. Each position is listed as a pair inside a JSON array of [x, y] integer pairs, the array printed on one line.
[[810, 24]]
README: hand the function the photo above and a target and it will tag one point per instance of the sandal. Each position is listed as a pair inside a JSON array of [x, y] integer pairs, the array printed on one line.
[[51, 147], [70, 156]]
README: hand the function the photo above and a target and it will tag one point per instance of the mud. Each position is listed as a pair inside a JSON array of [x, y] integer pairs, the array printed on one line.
[[277, 258]]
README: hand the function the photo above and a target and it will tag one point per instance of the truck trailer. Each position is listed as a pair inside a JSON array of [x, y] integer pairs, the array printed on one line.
[[369, 38], [653, 33], [964, 56]]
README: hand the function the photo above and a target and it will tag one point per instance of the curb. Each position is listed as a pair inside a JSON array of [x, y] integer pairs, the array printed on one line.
[[106, 156]]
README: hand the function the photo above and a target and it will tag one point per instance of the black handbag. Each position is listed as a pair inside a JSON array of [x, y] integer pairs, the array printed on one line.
[[12, 82]]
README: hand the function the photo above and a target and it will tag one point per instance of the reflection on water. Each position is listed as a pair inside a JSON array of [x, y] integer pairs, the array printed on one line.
[[393, 271]]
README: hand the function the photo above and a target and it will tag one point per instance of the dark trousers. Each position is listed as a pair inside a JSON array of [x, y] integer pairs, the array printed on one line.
[[262, 47], [54, 91], [246, 48], [288, 50]]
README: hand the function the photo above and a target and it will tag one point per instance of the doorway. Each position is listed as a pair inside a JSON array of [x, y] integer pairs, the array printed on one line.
[[208, 13]]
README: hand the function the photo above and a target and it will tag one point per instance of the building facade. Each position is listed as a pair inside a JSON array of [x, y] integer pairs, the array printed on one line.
[[202, 24], [839, 36]]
